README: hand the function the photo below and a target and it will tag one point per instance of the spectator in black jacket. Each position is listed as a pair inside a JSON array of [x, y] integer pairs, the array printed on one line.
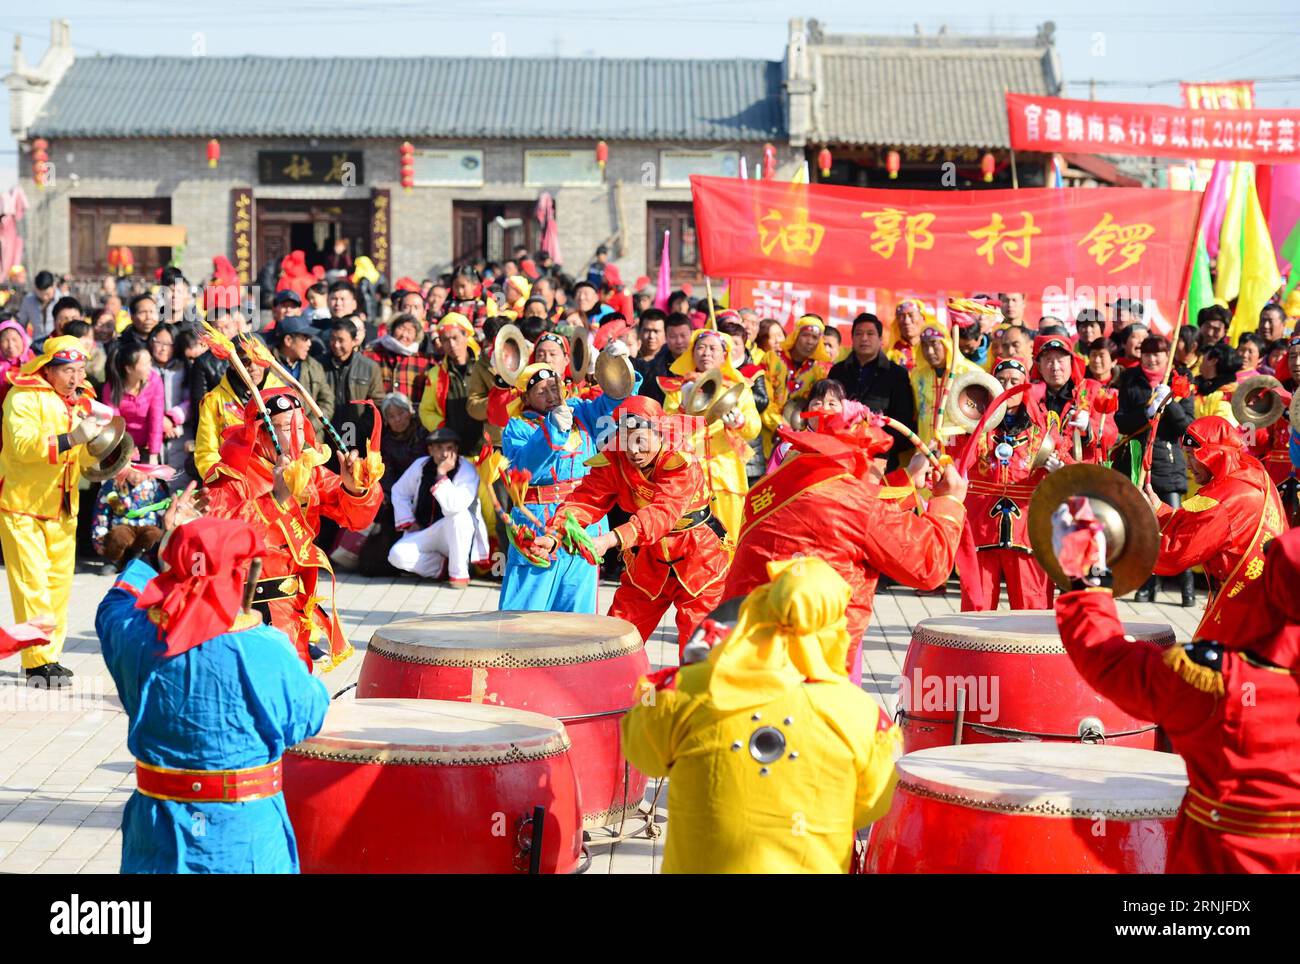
[[869, 377], [677, 335], [1142, 391]]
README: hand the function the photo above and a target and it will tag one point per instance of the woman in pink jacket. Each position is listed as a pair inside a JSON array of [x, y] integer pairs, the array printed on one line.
[[135, 391]]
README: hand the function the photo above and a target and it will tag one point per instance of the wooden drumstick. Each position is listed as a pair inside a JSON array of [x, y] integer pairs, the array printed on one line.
[[283, 374], [250, 585]]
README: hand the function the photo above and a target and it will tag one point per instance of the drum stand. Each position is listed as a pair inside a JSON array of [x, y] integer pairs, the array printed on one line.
[[646, 828]]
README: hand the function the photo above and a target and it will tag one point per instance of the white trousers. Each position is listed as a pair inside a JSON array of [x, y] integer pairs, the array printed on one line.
[[424, 552]]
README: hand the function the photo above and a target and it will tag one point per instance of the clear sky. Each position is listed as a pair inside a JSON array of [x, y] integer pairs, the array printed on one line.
[[1135, 50]]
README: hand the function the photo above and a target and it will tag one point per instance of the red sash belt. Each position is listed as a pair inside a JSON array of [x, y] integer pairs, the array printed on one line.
[[542, 494], [209, 786], [1017, 491]]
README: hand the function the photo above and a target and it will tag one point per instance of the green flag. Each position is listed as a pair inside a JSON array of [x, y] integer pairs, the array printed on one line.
[[1200, 290], [1291, 252]]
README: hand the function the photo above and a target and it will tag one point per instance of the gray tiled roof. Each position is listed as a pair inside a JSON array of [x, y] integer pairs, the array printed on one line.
[[926, 97], [453, 97]]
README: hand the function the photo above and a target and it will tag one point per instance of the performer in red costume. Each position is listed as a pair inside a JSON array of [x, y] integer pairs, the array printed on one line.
[[823, 502], [283, 497], [1229, 705], [995, 540], [1068, 399], [672, 545], [1273, 443], [1225, 526]]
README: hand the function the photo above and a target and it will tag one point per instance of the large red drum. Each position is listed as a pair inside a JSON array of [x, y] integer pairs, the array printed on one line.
[[1009, 678], [580, 669], [426, 786], [1030, 808]]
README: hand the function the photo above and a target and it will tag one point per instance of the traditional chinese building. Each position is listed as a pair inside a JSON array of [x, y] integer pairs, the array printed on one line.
[[923, 112], [252, 157], [422, 163]]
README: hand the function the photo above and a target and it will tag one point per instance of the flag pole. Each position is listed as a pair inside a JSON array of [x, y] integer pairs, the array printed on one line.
[[708, 293], [1015, 179], [1188, 267]]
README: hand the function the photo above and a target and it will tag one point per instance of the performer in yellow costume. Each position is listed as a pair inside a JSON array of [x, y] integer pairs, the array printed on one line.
[[937, 352], [802, 361], [775, 757], [726, 446], [47, 424]]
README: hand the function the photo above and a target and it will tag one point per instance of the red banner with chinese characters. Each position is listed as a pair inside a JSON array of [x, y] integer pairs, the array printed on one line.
[[1153, 130], [1122, 242]]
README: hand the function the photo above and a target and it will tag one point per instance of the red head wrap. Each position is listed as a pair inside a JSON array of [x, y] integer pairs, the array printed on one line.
[[1216, 444], [205, 563]]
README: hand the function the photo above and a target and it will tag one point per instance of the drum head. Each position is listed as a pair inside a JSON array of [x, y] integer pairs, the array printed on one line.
[[432, 733], [1049, 779], [514, 639], [1017, 631]]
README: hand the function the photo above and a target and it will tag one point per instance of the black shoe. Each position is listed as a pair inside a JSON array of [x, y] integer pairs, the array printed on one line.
[[1189, 598], [58, 669], [1145, 594], [46, 676]]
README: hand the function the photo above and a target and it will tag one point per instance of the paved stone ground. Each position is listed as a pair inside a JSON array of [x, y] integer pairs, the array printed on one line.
[[65, 773]]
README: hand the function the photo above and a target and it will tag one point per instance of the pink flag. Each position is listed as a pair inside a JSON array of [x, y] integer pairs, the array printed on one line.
[[663, 287], [1216, 202], [545, 214], [1283, 204]]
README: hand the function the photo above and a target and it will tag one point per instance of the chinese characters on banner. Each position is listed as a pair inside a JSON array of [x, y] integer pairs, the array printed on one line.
[[241, 233], [1153, 130], [381, 200], [1129, 243]]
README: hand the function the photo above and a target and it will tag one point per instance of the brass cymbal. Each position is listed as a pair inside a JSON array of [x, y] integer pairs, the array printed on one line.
[[1132, 536], [113, 463], [1256, 401], [579, 355], [703, 393], [107, 440], [510, 353], [792, 413], [614, 374], [725, 402]]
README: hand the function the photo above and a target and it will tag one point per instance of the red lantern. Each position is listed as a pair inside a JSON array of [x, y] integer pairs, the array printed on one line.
[[602, 154], [769, 161], [40, 162], [892, 161], [214, 152], [824, 161], [407, 155], [987, 166]]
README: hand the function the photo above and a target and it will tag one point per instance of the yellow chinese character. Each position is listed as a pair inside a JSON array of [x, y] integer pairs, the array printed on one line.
[[335, 173], [1015, 244], [299, 167], [1107, 237], [1255, 568], [894, 224], [798, 236], [762, 500]]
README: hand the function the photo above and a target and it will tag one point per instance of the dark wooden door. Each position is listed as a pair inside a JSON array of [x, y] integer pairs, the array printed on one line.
[[683, 249], [475, 233], [273, 242], [90, 221]]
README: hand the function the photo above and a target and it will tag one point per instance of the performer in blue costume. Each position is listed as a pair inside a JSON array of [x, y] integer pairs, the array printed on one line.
[[213, 701], [552, 437]]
